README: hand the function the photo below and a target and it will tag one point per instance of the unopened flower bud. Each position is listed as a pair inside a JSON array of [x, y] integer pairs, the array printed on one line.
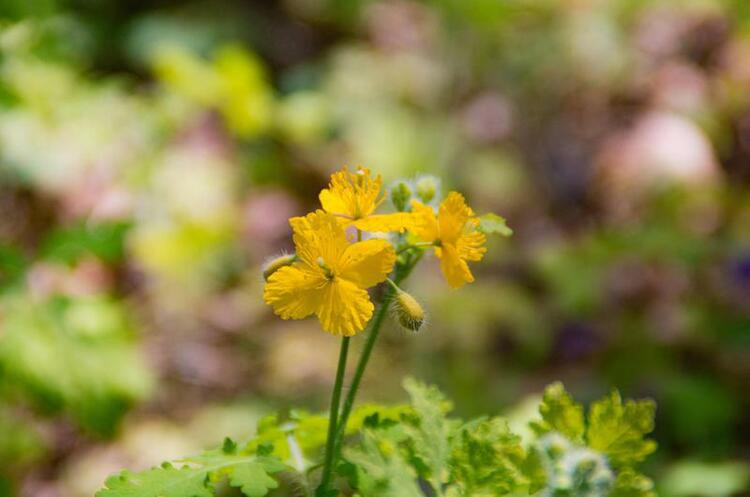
[[428, 188], [277, 263], [400, 195], [407, 311]]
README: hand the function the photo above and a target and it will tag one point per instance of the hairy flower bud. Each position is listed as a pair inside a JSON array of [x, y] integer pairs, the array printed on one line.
[[407, 311], [400, 195], [277, 263], [428, 188]]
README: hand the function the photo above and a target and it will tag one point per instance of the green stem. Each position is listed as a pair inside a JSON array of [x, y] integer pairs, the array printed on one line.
[[418, 245], [392, 284], [364, 357], [333, 415]]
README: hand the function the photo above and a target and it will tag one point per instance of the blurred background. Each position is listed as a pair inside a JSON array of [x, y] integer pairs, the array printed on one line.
[[151, 153]]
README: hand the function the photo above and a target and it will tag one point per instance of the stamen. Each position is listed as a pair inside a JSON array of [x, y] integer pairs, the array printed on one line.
[[326, 269]]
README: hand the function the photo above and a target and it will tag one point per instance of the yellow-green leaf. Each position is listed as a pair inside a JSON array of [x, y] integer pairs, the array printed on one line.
[[492, 224], [618, 429], [560, 413]]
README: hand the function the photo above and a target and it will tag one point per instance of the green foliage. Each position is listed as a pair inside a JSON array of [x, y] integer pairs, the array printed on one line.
[[197, 476], [377, 469], [492, 224], [305, 433], [106, 241], [614, 429], [692, 478], [73, 355], [12, 266], [488, 460], [560, 413], [631, 484], [21, 443], [584, 454], [420, 450], [428, 432], [617, 430]]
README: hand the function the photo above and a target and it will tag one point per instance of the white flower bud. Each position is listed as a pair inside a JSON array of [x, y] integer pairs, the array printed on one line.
[[428, 188]]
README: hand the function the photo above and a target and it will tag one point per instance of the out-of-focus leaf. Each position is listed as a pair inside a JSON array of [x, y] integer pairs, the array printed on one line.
[[378, 469], [12, 265], [20, 444], [631, 484], [75, 355], [702, 479], [492, 224], [68, 245], [429, 432]]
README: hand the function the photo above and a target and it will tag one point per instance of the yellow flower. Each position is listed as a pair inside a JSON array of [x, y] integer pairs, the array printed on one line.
[[354, 197], [330, 277], [453, 231]]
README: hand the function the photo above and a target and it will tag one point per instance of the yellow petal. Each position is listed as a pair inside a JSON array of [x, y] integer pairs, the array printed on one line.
[[398, 221], [294, 292], [345, 308], [319, 235], [355, 195], [470, 246], [332, 202], [367, 263], [423, 222], [455, 269], [452, 217]]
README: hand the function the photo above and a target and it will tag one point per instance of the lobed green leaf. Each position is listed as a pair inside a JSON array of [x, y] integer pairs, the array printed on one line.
[[560, 413], [196, 477], [489, 460], [429, 431], [618, 429], [632, 484]]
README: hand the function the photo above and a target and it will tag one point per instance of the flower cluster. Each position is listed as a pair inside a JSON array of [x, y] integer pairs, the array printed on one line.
[[338, 256]]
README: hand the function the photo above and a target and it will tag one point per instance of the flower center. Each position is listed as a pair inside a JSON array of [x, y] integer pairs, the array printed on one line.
[[327, 271], [359, 185]]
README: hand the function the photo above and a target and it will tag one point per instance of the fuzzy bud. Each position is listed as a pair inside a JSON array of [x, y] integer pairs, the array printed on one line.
[[428, 188], [277, 263], [400, 195], [407, 311]]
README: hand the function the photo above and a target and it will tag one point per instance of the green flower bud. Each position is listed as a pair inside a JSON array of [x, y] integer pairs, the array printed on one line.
[[400, 195], [428, 188], [407, 311], [277, 263]]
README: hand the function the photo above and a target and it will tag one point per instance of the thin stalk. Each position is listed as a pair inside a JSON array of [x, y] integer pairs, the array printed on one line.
[[418, 245], [392, 284], [372, 337], [333, 415]]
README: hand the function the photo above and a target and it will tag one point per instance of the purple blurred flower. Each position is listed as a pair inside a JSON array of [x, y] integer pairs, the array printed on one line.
[[574, 341]]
